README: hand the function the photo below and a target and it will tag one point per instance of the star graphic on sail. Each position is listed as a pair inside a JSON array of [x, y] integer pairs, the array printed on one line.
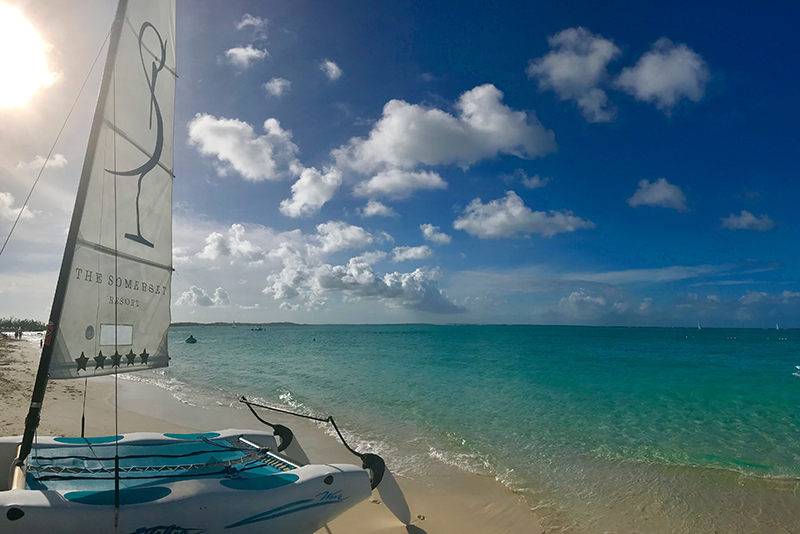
[[82, 362], [144, 356], [117, 357], [131, 358], [101, 360]]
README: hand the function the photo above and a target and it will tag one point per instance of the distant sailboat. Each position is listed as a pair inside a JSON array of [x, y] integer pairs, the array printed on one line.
[[112, 308], [699, 327]]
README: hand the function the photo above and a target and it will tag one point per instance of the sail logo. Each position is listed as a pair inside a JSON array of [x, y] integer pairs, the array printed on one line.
[[151, 75], [85, 275]]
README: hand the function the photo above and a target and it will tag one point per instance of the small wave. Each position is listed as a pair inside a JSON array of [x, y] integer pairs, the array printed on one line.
[[466, 461]]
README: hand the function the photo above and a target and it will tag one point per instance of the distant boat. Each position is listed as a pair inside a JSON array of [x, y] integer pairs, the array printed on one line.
[[699, 327], [191, 339], [257, 329], [776, 326]]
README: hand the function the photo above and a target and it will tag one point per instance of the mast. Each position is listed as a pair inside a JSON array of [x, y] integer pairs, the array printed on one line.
[[34, 413]]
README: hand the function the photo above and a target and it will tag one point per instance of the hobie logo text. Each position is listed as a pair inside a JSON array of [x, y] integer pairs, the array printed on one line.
[[167, 529]]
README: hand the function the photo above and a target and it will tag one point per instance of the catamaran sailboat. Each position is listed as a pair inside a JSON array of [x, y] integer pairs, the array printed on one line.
[[110, 315]]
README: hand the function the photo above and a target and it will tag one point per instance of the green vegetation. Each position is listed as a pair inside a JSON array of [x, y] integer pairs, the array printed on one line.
[[27, 325]]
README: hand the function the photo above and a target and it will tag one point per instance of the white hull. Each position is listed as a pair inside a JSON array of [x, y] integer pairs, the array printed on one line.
[[298, 499]]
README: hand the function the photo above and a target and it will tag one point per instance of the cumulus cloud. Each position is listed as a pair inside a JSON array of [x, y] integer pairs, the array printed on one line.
[[408, 135], [376, 209], [197, 296], [660, 194], [311, 191], [56, 161], [7, 212], [573, 69], [234, 245], [278, 86], [334, 236], [747, 221], [411, 253], [398, 184], [245, 57], [236, 146], [306, 277], [530, 182], [509, 216], [581, 305], [331, 69], [432, 234], [416, 290], [665, 75], [250, 20]]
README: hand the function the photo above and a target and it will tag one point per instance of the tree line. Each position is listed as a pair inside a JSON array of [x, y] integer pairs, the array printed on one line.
[[28, 325]]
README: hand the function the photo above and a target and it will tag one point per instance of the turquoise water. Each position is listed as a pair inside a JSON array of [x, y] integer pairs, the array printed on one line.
[[599, 429]]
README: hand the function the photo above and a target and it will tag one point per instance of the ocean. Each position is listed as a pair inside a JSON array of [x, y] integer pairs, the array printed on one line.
[[597, 429]]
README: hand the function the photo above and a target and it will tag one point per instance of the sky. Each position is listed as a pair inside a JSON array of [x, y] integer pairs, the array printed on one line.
[[617, 163]]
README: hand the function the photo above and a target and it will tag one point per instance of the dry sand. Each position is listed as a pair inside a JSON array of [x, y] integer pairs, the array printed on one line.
[[457, 503]]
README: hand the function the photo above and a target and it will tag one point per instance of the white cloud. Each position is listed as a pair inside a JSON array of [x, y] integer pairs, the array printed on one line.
[[197, 296], [250, 20], [747, 221], [408, 135], [334, 236], [234, 244], [244, 57], [508, 216], [574, 67], [331, 69], [304, 276], [237, 147], [311, 191], [278, 86], [411, 253], [416, 290], [432, 233], [7, 212], [376, 209], [530, 182], [665, 75], [397, 183], [660, 194], [56, 161], [582, 305], [663, 274], [371, 257]]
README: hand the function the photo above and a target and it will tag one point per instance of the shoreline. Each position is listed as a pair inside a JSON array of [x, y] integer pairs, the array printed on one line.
[[456, 503]]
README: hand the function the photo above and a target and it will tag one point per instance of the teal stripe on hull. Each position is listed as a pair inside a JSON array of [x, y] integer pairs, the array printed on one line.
[[126, 496]]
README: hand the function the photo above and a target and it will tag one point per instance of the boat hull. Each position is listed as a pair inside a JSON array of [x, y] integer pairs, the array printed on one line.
[[300, 499]]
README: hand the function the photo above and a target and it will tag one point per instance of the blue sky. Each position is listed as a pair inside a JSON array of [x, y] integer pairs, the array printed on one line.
[[622, 163]]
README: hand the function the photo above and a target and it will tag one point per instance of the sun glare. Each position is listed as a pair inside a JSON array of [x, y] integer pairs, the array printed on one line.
[[23, 68]]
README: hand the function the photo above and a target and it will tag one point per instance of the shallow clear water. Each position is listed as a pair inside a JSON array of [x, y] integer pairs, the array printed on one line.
[[620, 429]]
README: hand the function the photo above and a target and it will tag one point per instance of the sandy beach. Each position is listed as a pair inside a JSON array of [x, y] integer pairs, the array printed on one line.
[[457, 502]]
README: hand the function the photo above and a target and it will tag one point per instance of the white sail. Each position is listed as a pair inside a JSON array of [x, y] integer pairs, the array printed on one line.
[[115, 312]]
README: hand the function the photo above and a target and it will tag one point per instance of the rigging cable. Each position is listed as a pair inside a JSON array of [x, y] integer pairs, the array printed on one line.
[[49, 154]]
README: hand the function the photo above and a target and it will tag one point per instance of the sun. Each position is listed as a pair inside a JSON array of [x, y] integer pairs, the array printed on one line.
[[23, 68]]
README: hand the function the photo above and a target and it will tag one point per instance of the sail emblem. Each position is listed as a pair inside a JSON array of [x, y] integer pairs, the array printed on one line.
[[156, 66]]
